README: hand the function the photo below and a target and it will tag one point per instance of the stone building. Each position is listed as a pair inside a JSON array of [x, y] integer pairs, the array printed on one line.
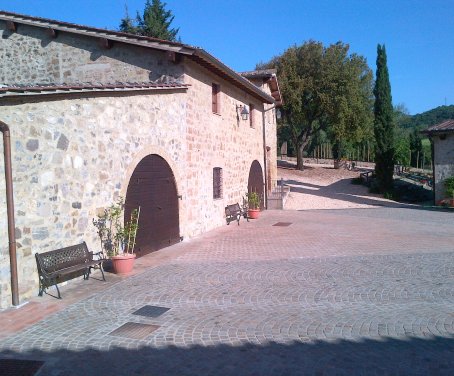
[[94, 115], [442, 136]]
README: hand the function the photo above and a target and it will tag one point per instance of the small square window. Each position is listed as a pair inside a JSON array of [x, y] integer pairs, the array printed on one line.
[[217, 182], [215, 98]]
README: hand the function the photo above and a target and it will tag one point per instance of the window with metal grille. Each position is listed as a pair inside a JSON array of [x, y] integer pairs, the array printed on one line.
[[215, 98], [217, 182]]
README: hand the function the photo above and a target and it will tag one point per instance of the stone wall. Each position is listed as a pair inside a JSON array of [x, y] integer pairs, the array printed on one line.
[[217, 140], [30, 56], [270, 132], [72, 156], [444, 163]]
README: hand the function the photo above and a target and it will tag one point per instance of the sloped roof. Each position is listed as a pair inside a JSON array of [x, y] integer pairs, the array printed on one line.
[[446, 126], [271, 77], [260, 73], [195, 53], [26, 90]]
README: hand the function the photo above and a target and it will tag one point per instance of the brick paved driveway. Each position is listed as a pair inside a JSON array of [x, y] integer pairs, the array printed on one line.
[[366, 291]]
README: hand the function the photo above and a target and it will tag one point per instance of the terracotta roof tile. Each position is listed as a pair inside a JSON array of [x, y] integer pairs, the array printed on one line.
[[446, 126], [261, 73], [197, 54], [24, 90]]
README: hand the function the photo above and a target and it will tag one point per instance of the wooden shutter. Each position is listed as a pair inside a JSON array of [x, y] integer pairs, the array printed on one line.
[[251, 115], [215, 89], [217, 182]]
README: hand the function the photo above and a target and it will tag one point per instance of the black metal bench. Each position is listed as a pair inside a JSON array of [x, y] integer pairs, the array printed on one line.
[[234, 212], [367, 177], [66, 263]]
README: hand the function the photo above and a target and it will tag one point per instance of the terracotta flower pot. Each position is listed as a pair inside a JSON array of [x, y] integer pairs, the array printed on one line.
[[123, 264], [253, 213]]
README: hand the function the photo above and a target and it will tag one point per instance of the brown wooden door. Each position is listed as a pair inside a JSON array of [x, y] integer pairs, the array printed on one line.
[[152, 187], [255, 181]]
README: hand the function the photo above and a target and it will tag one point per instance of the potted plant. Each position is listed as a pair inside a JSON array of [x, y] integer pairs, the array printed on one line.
[[253, 199], [117, 240], [449, 187]]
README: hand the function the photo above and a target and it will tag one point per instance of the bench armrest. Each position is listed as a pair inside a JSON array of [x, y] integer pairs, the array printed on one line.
[[99, 256]]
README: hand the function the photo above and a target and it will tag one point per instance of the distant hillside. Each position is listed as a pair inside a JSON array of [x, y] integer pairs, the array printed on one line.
[[428, 118]]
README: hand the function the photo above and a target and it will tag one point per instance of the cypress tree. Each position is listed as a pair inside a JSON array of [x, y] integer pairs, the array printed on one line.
[[383, 124]]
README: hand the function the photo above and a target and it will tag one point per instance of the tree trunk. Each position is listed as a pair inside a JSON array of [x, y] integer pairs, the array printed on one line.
[[300, 152], [299, 158]]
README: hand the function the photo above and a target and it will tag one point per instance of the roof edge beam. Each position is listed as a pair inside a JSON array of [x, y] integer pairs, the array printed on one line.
[[105, 43], [11, 26], [52, 33]]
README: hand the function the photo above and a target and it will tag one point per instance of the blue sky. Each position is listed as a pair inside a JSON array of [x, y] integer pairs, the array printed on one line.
[[419, 34]]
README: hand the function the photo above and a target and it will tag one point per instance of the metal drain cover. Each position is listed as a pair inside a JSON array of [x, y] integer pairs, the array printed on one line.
[[282, 224], [134, 330], [14, 367], [151, 311]]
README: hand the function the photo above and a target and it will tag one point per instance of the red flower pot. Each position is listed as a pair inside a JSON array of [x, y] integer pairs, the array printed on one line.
[[123, 264], [253, 213]]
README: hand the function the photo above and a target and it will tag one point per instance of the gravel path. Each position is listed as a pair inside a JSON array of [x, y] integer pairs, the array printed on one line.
[[323, 187]]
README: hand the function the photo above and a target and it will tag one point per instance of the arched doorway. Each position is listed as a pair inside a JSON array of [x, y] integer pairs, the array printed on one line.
[[153, 188], [255, 181]]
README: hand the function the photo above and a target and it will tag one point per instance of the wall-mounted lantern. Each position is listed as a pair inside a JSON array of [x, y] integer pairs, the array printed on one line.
[[243, 112]]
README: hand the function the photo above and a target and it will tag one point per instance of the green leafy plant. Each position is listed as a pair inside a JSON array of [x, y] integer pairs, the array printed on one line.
[[388, 195], [449, 186], [374, 188], [253, 199], [115, 237]]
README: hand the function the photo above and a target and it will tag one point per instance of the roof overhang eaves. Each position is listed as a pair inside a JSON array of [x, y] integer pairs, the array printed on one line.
[[261, 73], [97, 33], [16, 92], [276, 91], [269, 76], [445, 127], [197, 54], [210, 62], [437, 132]]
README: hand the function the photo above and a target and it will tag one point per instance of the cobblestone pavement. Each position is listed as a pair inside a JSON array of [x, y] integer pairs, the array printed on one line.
[[335, 292]]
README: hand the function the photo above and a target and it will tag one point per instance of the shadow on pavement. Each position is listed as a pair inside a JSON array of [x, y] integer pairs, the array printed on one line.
[[342, 190], [290, 165], [414, 356]]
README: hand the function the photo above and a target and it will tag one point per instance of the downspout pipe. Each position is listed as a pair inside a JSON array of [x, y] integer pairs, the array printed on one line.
[[10, 212], [264, 154]]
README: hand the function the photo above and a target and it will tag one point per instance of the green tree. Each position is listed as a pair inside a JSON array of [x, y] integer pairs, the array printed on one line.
[[127, 24], [401, 138], [401, 147], [431, 117], [324, 88], [383, 124], [416, 148], [350, 114], [155, 22], [401, 115]]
